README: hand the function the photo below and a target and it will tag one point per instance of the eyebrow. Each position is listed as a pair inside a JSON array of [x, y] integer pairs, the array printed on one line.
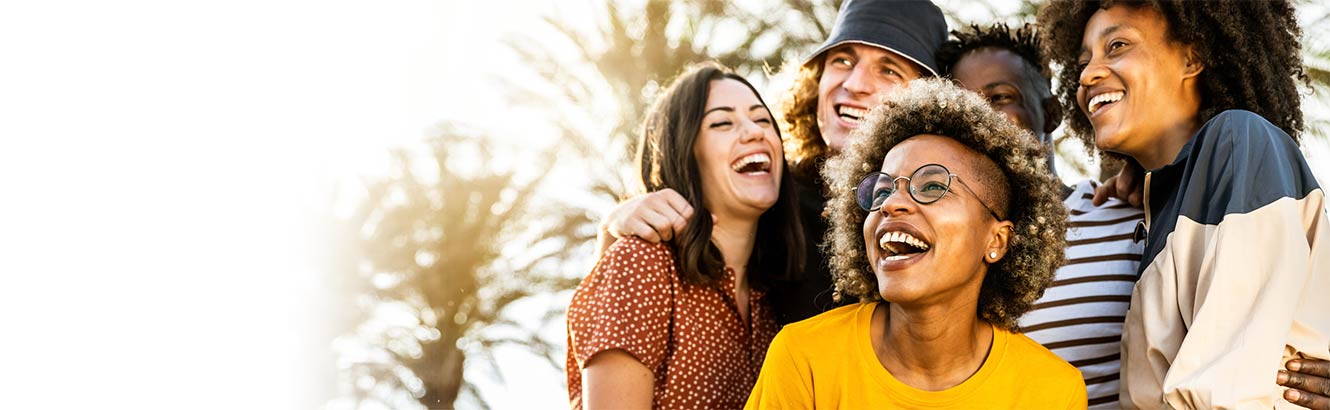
[[898, 63], [1104, 33], [997, 83], [844, 48], [731, 109]]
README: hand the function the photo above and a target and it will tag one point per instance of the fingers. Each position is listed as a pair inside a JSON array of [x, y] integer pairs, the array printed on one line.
[[641, 229], [1308, 400], [662, 224], [1105, 191], [676, 209], [675, 202], [1130, 186], [655, 217], [1124, 185], [1312, 367], [1309, 383]]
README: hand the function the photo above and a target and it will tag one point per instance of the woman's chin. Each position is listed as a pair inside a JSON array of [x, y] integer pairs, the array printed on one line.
[[1108, 139], [759, 199], [898, 295], [897, 288]]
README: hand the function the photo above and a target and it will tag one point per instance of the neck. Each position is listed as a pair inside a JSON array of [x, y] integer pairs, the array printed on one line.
[[735, 238], [1167, 147], [933, 348]]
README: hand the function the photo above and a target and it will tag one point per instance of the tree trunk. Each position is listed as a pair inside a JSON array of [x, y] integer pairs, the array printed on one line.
[[440, 369]]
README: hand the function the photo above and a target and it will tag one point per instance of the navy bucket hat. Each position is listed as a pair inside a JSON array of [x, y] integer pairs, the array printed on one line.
[[912, 29]]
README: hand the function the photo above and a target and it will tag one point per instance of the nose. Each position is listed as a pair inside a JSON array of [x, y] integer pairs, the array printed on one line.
[[899, 202], [860, 81], [1093, 73], [750, 131]]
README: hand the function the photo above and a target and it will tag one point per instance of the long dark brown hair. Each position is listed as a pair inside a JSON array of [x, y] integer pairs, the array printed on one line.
[[665, 160]]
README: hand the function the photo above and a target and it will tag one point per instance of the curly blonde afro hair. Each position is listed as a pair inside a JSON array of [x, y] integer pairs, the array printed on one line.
[[934, 106]]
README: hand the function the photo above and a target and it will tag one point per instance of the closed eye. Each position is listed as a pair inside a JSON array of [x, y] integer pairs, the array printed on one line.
[[720, 124], [999, 99]]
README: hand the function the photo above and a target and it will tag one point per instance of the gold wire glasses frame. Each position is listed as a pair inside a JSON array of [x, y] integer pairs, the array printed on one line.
[[926, 185]]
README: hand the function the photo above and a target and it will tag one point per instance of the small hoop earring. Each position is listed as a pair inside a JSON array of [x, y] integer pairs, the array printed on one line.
[[992, 255]]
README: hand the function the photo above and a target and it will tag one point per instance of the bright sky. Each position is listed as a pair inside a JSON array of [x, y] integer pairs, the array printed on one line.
[[162, 161]]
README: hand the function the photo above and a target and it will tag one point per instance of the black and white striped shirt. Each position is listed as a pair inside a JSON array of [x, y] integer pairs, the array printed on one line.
[[1081, 314]]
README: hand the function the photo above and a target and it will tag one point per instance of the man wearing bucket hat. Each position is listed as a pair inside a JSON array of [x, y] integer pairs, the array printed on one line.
[[875, 47]]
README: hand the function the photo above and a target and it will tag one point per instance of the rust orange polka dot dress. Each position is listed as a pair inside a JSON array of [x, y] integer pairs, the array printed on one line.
[[692, 337]]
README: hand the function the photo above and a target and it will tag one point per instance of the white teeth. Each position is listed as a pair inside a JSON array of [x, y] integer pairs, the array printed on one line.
[[900, 237], [1101, 99], [759, 158], [855, 115]]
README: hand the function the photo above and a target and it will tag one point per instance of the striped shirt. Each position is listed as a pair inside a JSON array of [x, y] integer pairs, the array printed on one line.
[[1080, 316]]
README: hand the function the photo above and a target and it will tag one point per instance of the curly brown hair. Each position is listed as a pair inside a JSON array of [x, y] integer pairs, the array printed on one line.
[[1250, 51], [804, 148], [935, 106]]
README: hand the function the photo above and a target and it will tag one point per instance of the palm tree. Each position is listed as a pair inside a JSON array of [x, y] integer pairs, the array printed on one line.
[[630, 53], [445, 254]]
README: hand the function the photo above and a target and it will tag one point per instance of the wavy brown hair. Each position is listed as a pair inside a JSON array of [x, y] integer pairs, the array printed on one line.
[[666, 160], [935, 106], [1250, 51], [804, 148]]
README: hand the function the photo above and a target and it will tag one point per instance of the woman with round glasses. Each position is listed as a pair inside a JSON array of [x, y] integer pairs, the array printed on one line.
[[685, 324], [947, 225]]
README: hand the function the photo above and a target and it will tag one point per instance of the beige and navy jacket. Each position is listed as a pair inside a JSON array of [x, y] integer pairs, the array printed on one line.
[[1235, 278]]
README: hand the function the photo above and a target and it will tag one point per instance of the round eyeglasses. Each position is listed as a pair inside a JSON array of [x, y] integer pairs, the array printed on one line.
[[926, 185]]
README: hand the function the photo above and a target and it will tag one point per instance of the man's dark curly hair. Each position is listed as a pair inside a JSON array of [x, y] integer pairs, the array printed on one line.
[[1250, 51], [1023, 41], [1033, 201]]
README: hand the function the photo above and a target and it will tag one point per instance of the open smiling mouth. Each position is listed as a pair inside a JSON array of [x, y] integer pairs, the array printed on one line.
[[900, 245], [755, 164], [850, 114], [1103, 100]]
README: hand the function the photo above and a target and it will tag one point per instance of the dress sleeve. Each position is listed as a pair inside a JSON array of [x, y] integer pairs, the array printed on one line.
[[625, 303], [1252, 260], [785, 381]]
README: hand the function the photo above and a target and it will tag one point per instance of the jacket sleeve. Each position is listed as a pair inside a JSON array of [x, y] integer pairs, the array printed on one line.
[[785, 381], [1245, 295], [1250, 262]]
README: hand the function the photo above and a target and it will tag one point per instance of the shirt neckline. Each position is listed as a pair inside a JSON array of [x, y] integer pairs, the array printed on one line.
[[915, 396]]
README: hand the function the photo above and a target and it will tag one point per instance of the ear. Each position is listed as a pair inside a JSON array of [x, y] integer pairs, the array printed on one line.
[[998, 241], [1052, 115], [1194, 65]]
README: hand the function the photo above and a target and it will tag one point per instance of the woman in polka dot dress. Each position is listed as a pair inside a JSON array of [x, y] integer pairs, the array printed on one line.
[[685, 324]]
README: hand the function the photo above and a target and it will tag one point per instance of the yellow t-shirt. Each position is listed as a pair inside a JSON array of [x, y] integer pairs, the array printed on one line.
[[828, 362]]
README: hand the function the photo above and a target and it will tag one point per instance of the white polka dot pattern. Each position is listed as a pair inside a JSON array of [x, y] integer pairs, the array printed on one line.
[[692, 337]]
